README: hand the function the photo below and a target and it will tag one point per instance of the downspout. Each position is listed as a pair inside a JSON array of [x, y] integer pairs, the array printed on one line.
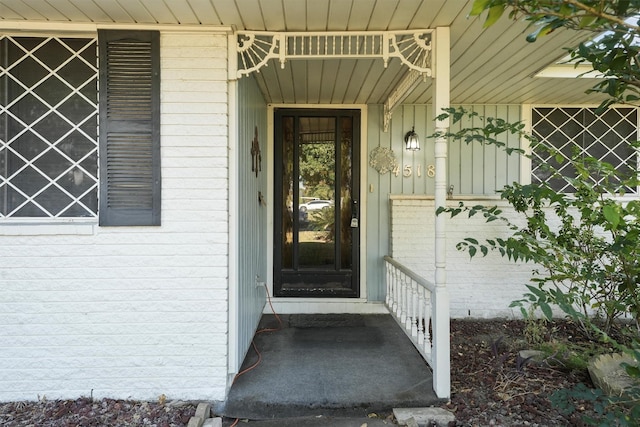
[[440, 309]]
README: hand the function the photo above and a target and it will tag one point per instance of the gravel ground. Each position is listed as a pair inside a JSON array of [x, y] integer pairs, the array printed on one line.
[[489, 388]]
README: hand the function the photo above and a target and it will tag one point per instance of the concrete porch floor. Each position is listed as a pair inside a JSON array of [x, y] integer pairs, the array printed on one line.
[[332, 365]]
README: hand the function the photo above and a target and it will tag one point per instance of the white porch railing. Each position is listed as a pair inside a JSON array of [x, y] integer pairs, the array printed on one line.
[[414, 303], [409, 301]]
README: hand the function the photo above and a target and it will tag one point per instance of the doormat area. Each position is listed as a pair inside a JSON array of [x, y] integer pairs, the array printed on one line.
[[301, 321]]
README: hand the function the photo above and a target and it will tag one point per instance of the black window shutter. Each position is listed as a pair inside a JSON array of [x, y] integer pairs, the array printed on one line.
[[129, 127]]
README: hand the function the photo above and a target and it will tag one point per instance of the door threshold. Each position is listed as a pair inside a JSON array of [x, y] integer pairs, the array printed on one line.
[[325, 306]]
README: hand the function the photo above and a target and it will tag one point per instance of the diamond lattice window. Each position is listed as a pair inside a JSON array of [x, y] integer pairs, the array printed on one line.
[[603, 136], [48, 127]]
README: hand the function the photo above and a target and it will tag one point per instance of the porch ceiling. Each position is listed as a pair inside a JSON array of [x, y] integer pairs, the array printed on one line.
[[490, 66]]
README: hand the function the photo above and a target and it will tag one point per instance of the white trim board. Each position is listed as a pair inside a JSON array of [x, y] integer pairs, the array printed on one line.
[[64, 27]]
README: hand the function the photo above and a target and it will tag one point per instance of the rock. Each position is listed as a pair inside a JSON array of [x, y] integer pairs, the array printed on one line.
[[607, 373], [423, 416], [411, 422], [195, 422], [536, 356], [213, 422], [203, 410], [177, 404]]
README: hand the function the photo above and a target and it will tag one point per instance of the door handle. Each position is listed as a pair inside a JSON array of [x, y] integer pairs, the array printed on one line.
[[354, 214]]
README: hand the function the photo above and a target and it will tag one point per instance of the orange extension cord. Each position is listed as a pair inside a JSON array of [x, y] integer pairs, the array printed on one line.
[[255, 348]]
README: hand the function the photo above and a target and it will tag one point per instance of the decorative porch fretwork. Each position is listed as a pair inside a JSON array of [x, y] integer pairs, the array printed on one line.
[[256, 48], [400, 93]]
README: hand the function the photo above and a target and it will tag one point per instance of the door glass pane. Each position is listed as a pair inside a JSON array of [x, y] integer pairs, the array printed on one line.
[[317, 164], [348, 209], [316, 191], [287, 191]]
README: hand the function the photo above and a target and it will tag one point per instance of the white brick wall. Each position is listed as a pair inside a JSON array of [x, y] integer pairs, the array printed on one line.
[[132, 312], [478, 287]]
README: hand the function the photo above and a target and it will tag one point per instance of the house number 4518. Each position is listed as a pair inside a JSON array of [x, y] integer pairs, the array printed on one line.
[[408, 171]]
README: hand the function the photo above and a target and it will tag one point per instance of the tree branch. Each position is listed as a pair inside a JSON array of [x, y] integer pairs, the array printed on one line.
[[601, 14], [542, 10]]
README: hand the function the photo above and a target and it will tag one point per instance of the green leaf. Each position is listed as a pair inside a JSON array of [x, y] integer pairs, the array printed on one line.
[[632, 371], [621, 9], [537, 292], [495, 12], [585, 21], [559, 158], [565, 10], [612, 215], [541, 31], [546, 310], [478, 7], [472, 251]]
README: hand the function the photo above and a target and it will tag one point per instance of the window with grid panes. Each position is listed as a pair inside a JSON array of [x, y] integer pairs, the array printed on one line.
[[605, 136], [48, 127], [55, 160]]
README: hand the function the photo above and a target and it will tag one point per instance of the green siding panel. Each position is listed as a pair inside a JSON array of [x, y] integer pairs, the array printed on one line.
[[472, 170], [252, 218]]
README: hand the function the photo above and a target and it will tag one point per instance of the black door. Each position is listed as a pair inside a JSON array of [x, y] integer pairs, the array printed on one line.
[[317, 229]]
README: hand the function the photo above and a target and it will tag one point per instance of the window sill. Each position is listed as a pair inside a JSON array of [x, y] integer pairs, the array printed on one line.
[[32, 228]]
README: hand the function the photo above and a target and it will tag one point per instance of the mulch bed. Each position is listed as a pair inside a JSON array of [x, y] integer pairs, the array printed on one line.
[[490, 387], [85, 412]]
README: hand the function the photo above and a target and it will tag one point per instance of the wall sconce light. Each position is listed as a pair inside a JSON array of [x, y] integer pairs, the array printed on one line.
[[411, 140]]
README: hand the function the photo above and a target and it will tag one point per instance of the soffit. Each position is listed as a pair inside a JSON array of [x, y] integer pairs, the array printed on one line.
[[487, 66]]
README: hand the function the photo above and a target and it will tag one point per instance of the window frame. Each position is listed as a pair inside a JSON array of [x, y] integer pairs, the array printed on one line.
[[86, 225], [527, 119], [88, 39]]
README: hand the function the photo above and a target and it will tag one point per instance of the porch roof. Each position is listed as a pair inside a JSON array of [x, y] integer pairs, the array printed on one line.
[[496, 65]]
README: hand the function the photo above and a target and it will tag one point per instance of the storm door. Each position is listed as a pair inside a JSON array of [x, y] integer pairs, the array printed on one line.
[[317, 221]]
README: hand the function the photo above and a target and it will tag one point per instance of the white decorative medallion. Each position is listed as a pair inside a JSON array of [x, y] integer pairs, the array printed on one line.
[[383, 160]]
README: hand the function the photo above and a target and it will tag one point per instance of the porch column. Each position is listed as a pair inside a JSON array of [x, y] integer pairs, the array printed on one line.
[[440, 309]]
